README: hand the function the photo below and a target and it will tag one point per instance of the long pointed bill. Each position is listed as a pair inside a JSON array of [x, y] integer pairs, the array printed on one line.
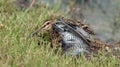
[[35, 32], [45, 26]]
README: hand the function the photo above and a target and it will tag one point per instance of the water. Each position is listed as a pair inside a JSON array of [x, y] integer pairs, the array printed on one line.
[[101, 16]]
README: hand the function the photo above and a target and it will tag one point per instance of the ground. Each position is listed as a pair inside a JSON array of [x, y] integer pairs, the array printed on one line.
[[16, 50]]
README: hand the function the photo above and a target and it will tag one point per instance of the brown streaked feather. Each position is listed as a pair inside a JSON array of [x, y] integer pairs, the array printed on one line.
[[83, 25], [97, 44], [48, 26], [54, 37]]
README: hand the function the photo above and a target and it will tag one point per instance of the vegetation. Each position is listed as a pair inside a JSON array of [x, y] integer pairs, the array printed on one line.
[[16, 50]]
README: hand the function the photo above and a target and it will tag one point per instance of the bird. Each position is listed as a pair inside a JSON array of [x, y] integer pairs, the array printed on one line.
[[72, 36], [76, 39], [72, 42]]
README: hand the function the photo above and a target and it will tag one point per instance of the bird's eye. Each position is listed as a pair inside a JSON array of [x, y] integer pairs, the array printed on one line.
[[48, 23]]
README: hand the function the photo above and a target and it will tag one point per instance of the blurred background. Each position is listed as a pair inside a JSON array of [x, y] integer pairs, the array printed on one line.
[[102, 15]]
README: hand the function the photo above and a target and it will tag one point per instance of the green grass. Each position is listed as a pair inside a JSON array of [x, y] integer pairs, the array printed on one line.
[[18, 51]]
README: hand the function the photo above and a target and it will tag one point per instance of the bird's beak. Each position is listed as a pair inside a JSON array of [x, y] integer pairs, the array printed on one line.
[[35, 32], [44, 27]]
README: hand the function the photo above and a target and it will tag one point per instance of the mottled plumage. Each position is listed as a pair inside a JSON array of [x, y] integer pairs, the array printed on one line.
[[75, 37], [72, 43]]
